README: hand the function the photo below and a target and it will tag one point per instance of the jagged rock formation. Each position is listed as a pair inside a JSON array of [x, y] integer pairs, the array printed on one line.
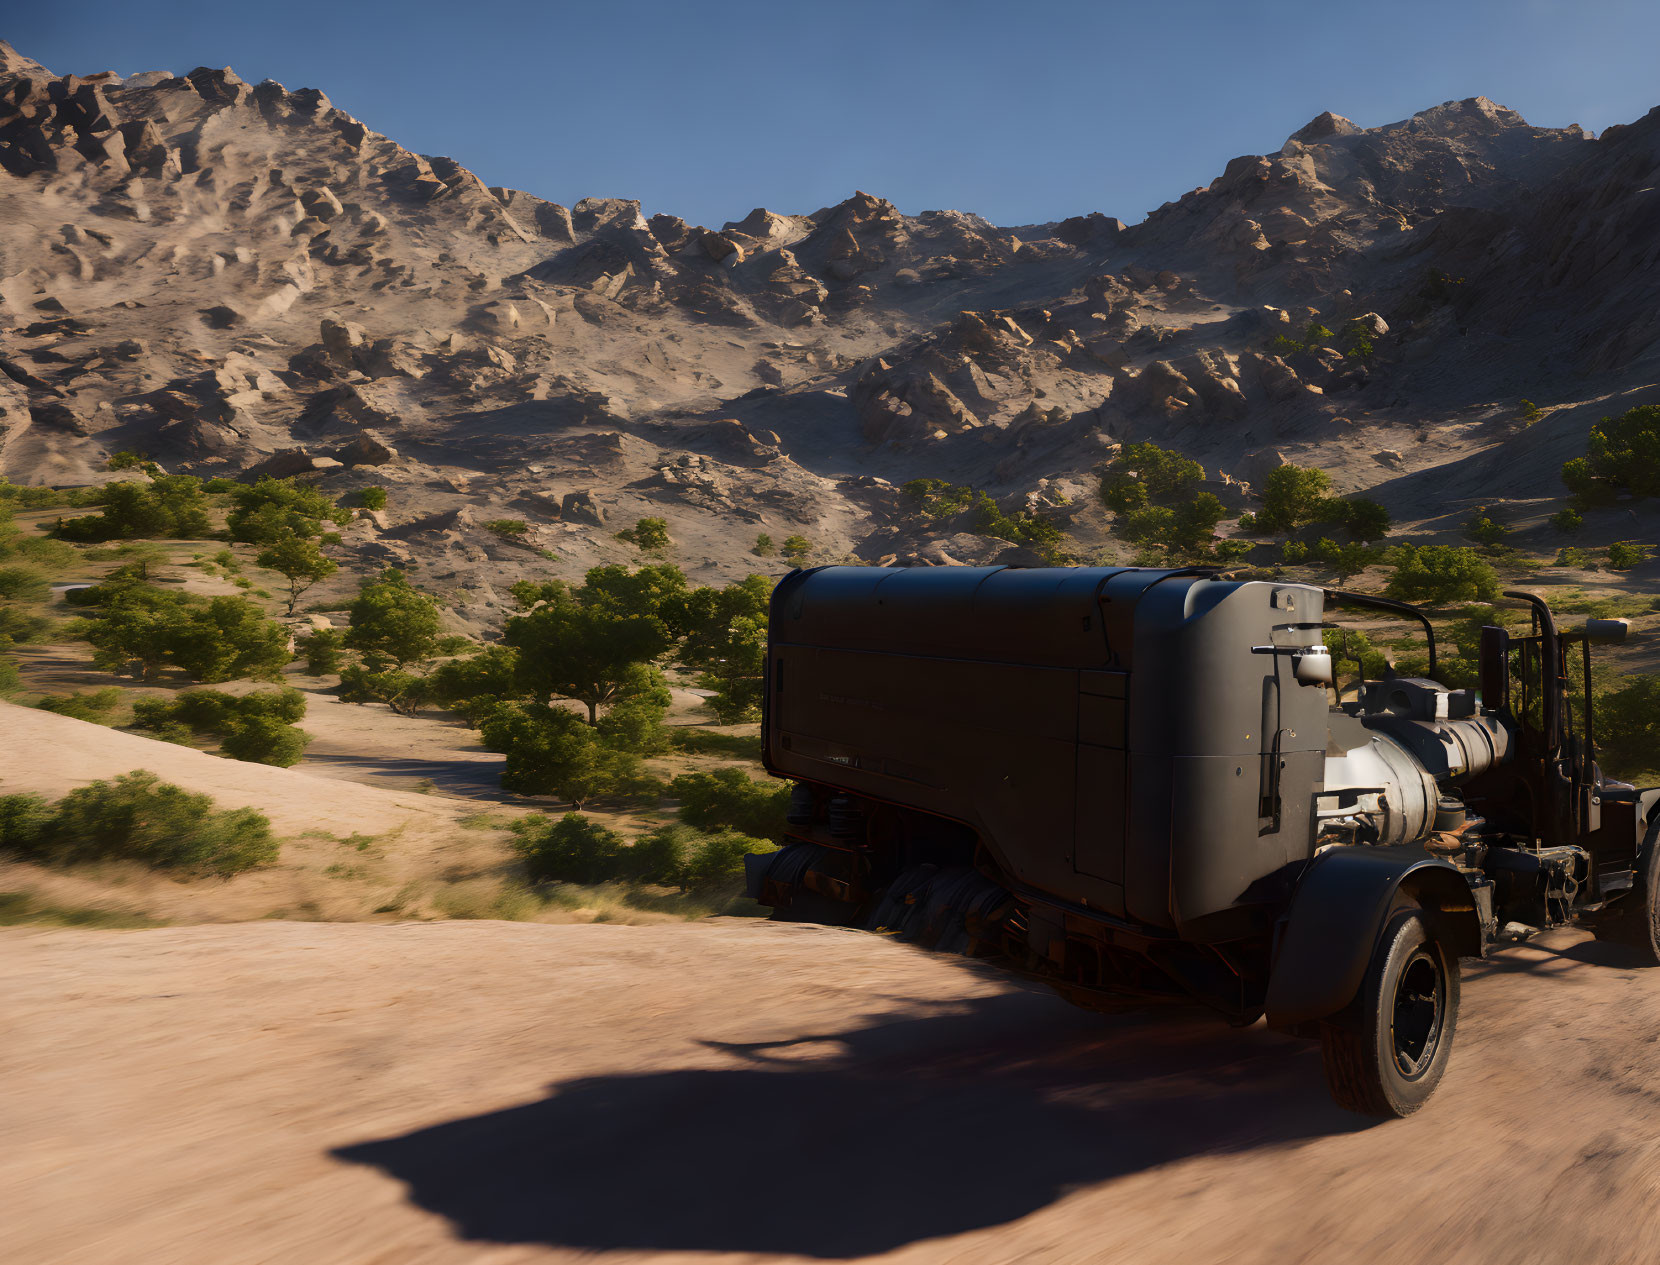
[[239, 278]]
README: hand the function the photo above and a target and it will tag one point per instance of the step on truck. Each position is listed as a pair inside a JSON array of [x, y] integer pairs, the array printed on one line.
[[1148, 786]]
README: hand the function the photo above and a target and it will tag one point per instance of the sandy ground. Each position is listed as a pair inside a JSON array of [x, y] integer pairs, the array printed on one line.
[[496, 1092]]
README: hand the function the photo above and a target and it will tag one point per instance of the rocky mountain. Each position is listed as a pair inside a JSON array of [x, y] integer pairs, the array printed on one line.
[[237, 278]]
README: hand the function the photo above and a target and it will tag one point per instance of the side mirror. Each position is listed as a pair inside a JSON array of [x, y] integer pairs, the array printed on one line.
[[1312, 666]]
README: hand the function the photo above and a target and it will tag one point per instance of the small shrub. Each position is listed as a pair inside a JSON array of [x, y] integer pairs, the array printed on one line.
[[796, 548], [1573, 557], [97, 706], [321, 649], [21, 584], [729, 799], [257, 727], [573, 849], [1625, 554], [510, 527], [19, 627], [717, 860], [372, 498], [649, 535], [138, 817], [764, 548], [1568, 521], [1440, 574], [1530, 412], [1485, 530]]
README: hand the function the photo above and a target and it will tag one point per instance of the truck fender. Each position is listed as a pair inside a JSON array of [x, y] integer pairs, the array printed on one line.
[[1338, 912]]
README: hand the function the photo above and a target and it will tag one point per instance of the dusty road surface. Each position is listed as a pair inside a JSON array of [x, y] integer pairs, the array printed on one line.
[[733, 1090]]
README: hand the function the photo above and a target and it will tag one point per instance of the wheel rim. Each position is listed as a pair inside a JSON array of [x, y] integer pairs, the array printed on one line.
[[1416, 1016]]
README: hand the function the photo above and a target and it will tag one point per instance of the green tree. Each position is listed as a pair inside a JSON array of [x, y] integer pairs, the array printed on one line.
[[392, 624], [1530, 411], [228, 638], [132, 461], [764, 548], [321, 648], [1365, 519], [634, 721], [137, 630], [725, 634], [1569, 556], [474, 684], [23, 584], [550, 751], [1621, 454], [299, 561], [570, 649], [1291, 496], [169, 506], [372, 498], [573, 849], [1346, 560], [729, 799], [1628, 727], [796, 548], [264, 510], [656, 592], [1144, 473], [1440, 574]]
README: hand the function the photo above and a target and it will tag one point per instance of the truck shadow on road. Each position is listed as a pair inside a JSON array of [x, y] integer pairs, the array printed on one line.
[[850, 1143]]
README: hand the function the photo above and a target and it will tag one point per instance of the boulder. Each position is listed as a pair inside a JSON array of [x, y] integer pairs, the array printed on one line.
[[287, 463], [56, 415], [343, 341], [580, 507], [320, 203], [498, 317], [721, 248], [365, 449], [1374, 325]]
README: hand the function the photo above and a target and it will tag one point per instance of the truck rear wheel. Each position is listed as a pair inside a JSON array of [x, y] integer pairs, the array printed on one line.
[[1634, 919], [1385, 1055]]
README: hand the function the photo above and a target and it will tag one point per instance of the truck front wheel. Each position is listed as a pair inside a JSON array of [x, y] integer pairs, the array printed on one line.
[[1387, 1052]]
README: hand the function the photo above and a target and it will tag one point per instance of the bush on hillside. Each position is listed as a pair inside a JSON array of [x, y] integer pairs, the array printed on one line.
[[137, 817], [729, 799], [1440, 574]]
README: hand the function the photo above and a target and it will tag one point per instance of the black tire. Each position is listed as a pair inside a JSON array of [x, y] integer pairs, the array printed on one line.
[[1387, 1052], [1634, 919]]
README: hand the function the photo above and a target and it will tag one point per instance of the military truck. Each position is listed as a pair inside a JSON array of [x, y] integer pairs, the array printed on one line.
[[1147, 786]]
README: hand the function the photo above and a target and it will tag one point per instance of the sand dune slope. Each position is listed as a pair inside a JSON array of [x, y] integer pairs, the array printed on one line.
[[51, 754]]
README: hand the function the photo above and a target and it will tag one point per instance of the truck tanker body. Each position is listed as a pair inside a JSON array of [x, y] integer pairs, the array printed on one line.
[[1140, 786]]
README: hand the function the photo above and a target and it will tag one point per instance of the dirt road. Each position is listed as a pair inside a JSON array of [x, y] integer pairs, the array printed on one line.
[[498, 1092]]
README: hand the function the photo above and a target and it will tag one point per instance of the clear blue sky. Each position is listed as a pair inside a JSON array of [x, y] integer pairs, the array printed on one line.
[[1023, 112]]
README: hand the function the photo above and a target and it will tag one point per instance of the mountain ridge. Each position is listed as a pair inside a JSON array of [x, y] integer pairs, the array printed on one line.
[[238, 278]]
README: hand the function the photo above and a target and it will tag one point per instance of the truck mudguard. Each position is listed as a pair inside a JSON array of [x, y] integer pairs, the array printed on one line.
[[1340, 908]]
